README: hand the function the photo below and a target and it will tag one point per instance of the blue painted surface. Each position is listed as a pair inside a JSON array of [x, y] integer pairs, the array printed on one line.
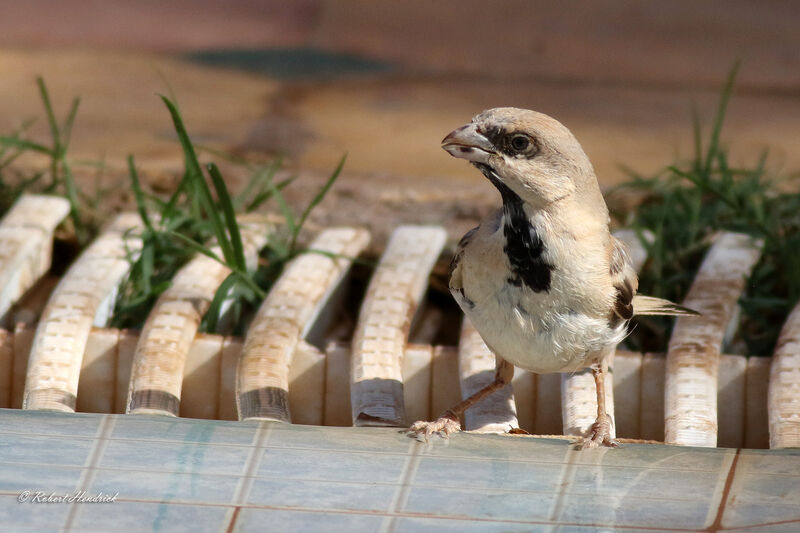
[[172, 474]]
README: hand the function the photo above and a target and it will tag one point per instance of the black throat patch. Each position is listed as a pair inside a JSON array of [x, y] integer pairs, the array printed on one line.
[[524, 247]]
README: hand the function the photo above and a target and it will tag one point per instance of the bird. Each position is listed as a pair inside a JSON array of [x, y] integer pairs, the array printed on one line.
[[542, 280]]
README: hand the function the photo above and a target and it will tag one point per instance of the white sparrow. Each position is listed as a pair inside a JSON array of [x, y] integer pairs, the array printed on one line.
[[542, 279]]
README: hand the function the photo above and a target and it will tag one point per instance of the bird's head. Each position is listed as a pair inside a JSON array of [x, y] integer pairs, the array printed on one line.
[[530, 153]]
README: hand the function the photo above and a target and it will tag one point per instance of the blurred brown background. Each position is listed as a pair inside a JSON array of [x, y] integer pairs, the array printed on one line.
[[385, 81]]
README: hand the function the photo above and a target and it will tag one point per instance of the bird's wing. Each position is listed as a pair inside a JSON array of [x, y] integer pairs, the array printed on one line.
[[456, 284], [623, 279]]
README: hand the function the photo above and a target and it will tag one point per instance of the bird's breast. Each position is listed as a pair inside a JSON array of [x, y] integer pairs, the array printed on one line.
[[542, 327]]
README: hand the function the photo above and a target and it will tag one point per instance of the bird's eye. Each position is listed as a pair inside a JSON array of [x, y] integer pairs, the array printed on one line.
[[520, 143]]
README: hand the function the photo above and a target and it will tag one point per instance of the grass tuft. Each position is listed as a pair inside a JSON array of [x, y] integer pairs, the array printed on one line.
[[686, 204], [61, 179], [199, 216]]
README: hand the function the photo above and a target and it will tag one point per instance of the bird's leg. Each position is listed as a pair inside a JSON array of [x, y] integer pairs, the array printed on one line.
[[600, 434], [450, 421]]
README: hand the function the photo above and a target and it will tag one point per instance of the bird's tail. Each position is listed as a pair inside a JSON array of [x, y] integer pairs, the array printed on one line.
[[649, 305]]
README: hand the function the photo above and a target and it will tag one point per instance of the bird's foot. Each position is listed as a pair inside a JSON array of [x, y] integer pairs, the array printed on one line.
[[600, 434], [444, 425]]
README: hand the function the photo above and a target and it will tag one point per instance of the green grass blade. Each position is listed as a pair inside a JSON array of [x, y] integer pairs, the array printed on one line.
[[51, 116], [66, 129], [211, 318], [71, 190], [331, 255], [138, 194], [227, 156], [286, 211], [263, 196], [719, 119], [698, 136], [316, 200], [146, 268], [255, 186], [230, 216], [23, 144], [16, 134], [199, 185], [196, 246]]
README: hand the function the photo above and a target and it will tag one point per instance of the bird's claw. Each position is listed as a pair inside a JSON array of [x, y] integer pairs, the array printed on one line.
[[600, 434], [444, 425]]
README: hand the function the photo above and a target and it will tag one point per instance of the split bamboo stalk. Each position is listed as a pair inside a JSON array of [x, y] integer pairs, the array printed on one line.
[[694, 349], [525, 387], [784, 386], [201, 380], [651, 421], [627, 391], [476, 370], [231, 348], [548, 405], [26, 244], [170, 328], [307, 384], [756, 426], [337, 385], [284, 319], [445, 387], [97, 383], [84, 294], [6, 367], [397, 287], [731, 403], [417, 368]]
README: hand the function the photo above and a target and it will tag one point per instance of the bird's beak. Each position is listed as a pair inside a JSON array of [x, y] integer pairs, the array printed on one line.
[[467, 143]]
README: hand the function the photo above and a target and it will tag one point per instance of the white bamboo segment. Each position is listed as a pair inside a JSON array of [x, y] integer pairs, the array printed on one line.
[[524, 387], [6, 367], [128, 339], [337, 385], [578, 390], [628, 392], [26, 235], [651, 423], [756, 431], [694, 349], [160, 358], [476, 370], [307, 384], [731, 400], [784, 386], [201, 378], [29, 308], [445, 388], [97, 383], [231, 348], [285, 318], [22, 342], [395, 291], [548, 405], [60, 340], [417, 369], [427, 323]]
